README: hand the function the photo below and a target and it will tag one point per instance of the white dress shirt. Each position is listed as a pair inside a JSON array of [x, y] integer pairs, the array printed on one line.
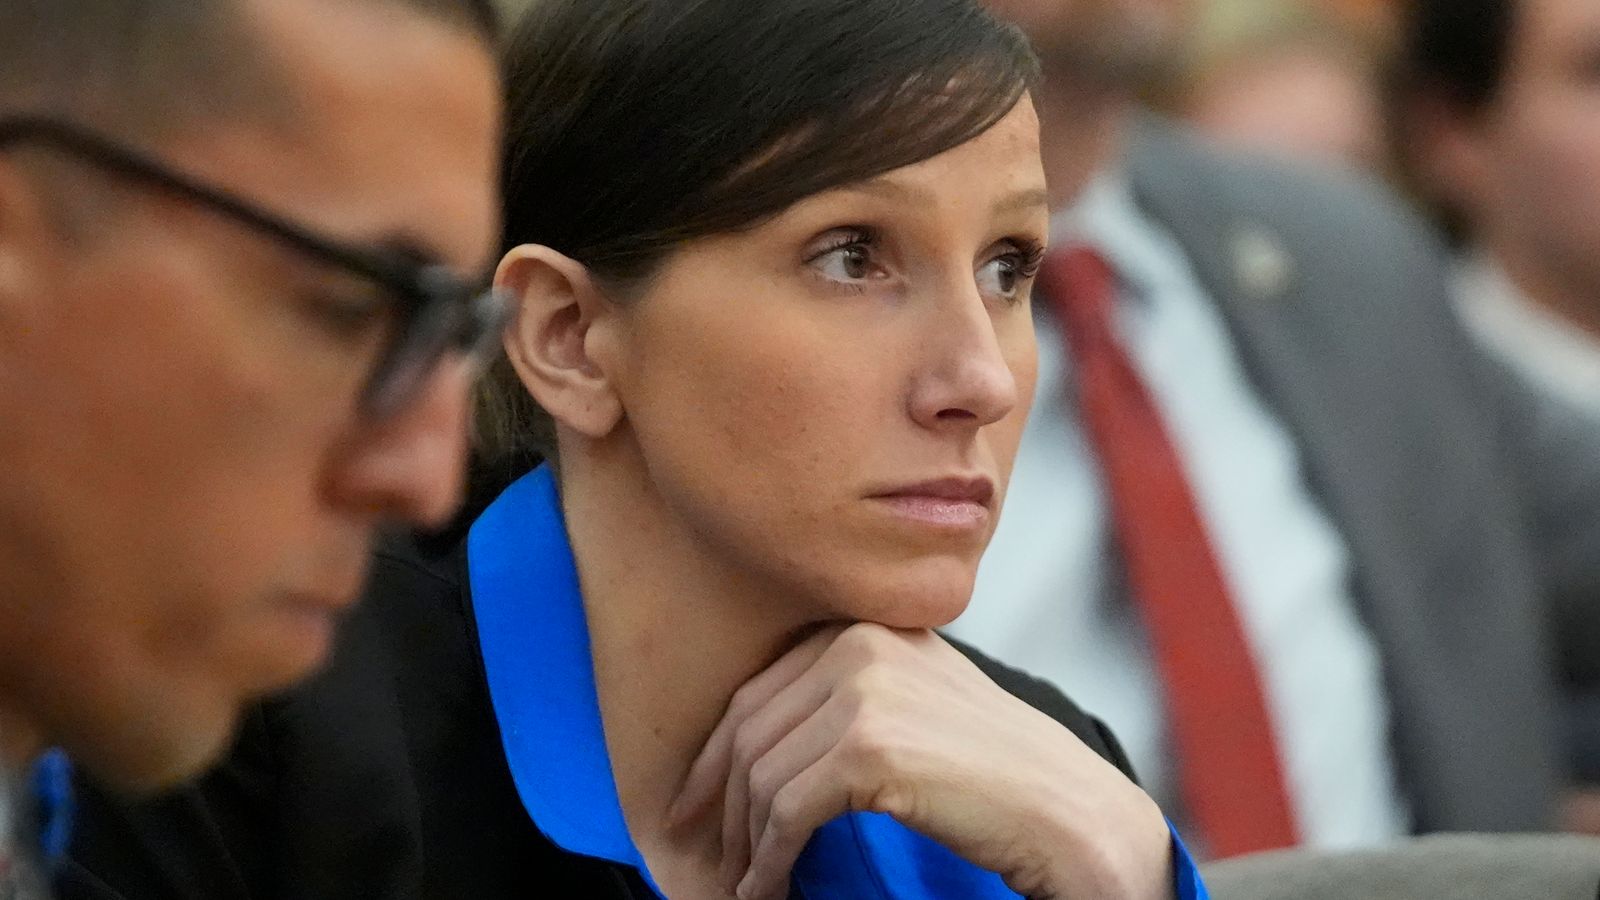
[[1050, 597], [1552, 353]]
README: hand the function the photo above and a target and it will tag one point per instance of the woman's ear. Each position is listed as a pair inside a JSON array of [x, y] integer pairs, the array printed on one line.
[[561, 319]]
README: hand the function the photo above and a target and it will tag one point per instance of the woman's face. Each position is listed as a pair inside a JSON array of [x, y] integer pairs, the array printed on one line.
[[829, 403]]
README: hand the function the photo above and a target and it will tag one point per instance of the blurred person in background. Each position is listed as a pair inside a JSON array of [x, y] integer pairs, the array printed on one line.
[[1497, 115], [1273, 516], [1294, 80], [236, 259], [1496, 112]]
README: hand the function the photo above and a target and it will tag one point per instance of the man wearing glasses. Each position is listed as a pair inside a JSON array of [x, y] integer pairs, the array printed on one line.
[[238, 320]]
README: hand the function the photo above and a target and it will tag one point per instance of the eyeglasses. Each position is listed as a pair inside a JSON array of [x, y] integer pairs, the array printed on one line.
[[437, 311]]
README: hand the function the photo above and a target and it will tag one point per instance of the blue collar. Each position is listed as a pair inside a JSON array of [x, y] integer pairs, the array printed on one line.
[[536, 653]]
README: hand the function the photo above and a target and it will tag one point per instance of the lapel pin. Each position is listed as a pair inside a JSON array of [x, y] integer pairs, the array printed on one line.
[[1261, 265]]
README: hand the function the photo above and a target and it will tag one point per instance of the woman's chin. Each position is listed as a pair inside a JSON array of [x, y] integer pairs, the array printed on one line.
[[928, 594]]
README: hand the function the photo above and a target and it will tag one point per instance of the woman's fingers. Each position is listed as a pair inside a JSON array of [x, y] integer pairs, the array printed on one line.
[[797, 751], [709, 773], [809, 800], [757, 752], [752, 742], [901, 723]]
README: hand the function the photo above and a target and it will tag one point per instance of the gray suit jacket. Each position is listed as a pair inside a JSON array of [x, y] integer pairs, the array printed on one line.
[[1471, 506]]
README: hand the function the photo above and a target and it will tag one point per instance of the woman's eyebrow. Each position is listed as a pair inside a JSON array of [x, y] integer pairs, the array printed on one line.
[[1025, 200], [888, 188]]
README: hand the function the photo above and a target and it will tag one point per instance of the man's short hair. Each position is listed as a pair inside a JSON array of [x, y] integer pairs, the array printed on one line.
[[1459, 49], [145, 62], [1452, 51]]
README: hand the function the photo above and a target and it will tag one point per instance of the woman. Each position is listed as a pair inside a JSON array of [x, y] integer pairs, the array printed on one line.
[[779, 317], [773, 260]]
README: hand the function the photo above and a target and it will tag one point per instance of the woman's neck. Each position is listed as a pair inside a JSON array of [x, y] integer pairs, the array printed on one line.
[[674, 635]]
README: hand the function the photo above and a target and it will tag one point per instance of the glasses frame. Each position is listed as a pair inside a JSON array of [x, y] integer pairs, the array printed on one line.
[[438, 311]]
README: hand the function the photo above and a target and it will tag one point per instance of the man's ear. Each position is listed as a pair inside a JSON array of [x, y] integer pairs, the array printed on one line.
[[558, 340]]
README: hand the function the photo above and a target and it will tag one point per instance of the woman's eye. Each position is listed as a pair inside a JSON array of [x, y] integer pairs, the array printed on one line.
[[1007, 275], [848, 256], [1002, 277], [849, 263]]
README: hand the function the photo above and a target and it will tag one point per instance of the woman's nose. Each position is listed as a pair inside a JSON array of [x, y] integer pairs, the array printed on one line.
[[965, 380]]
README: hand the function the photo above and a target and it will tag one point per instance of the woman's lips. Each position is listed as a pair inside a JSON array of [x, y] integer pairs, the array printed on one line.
[[960, 503]]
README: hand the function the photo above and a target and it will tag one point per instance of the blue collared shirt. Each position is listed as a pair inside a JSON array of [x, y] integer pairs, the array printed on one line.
[[535, 644]]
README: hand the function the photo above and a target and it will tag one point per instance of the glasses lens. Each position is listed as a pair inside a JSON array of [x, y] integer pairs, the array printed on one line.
[[447, 323], [490, 312], [416, 352]]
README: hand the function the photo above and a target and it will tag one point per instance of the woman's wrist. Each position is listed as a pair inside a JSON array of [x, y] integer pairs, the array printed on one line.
[[1119, 847]]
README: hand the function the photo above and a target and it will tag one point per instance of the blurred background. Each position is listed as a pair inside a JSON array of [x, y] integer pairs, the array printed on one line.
[[1301, 78]]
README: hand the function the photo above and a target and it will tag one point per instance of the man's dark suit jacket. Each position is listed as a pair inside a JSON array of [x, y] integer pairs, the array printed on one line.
[[382, 778]]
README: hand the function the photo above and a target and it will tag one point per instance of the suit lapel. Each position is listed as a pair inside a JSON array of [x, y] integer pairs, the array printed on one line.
[[1359, 362], [1320, 343], [1263, 293]]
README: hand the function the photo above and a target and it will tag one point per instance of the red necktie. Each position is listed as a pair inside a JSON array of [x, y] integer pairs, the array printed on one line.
[[1228, 765]]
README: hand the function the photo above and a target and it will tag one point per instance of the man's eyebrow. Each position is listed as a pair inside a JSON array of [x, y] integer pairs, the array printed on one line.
[[412, 248], [416, 249]]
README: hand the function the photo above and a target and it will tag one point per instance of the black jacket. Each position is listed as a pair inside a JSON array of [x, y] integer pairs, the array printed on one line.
[[383, 778]]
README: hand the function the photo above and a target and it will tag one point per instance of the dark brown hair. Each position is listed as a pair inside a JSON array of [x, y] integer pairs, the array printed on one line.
[[635, 126]]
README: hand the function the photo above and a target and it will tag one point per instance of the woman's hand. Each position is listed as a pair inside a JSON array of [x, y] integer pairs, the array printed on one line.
[[899, 722]]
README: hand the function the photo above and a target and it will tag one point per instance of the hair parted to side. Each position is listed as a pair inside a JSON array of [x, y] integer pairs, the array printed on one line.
[[153, 62], [635, 126]]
